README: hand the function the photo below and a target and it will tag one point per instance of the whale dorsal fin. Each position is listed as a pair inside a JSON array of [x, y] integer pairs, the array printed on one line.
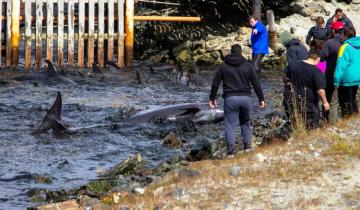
[[52, 120]]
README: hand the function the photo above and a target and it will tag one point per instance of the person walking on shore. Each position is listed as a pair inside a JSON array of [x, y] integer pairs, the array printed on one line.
[[237, 76], [347, 73], [308, 84], [259, 42], [317, 32], [330, 54], [338, 16]]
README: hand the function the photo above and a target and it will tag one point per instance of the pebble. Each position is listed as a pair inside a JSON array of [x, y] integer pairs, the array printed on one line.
[[260, 157], [139, 190], [235, 170]]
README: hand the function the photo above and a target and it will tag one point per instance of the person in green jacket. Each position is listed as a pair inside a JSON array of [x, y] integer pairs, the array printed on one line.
[[347, 73]]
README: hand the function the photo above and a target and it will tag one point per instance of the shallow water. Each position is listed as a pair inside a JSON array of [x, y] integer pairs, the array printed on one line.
[[73, 160]]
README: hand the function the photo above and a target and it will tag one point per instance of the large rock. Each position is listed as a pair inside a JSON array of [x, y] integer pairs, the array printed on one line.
[[68, 205], [200, 151]]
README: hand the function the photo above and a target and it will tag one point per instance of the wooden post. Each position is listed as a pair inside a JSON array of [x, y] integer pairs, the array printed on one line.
[[0, 33], [110, 38], [39, 15], [256, 9], [49, 30], [273, 36], [8, 33], [129, 31], [15, 32], [27, 34], [70, 41], [120, 33], [91, 33], [60, 38], [101, 24], [81, 32]]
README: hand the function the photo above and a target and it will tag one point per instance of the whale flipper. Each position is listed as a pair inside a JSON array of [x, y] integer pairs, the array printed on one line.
[[52, 119]]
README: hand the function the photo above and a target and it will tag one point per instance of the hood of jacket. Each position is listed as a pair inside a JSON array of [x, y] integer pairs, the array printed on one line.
[[355, 42], [235, 59], [293, 42]]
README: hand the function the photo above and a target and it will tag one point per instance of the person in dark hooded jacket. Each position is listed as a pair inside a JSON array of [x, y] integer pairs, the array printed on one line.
[[295, 51], [237, 75]]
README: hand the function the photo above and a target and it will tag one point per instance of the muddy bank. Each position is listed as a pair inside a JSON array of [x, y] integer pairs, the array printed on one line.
[[52, 162]]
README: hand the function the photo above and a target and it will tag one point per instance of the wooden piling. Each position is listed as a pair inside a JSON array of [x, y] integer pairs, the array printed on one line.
[[81, 33], [91, 33], [101, 24], [27, 34], [15, 32], [120, 32], [273, 36], [110, 38], [71, 36], [256, 8], [8, 33], [39, 15], [129, 31], [1, 4], [60, 37], [49, 30]]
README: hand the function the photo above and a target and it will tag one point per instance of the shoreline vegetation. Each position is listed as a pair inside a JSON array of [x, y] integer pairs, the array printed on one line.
[[312, 170]]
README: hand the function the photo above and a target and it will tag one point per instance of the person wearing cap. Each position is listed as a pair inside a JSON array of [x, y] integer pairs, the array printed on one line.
[[259, 42], [338, 16], [347, 72], [330, 54], [318, 32]]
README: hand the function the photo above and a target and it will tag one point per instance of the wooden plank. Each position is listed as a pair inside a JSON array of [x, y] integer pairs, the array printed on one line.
[[15, 32], [81, 33], [71, 13], [8, 33], [129, 31], [101, 24], [65, 1], [121, 22], [49, 30], [60, 35], [110, 50], [27, 34], [39, 15], [1, 3], [91, 27]]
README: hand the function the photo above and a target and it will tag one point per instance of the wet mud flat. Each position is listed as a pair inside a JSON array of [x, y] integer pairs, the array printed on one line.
[[53, 162]]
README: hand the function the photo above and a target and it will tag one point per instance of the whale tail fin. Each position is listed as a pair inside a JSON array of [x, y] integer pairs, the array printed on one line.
[[52, 120]]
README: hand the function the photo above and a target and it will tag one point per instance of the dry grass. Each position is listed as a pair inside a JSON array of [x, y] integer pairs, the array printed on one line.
[[284, 165]]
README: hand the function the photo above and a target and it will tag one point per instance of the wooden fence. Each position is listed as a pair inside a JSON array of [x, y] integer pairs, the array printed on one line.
[[63, 31]]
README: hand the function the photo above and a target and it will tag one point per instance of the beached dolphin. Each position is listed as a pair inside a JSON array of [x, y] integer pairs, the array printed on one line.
[[196, 112]]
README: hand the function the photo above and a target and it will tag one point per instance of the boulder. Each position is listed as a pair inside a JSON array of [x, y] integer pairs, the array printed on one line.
[[128, 167], [172, 141], [69, 205], [200, 151]]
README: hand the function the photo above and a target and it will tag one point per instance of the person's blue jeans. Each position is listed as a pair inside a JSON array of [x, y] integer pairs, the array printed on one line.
[[237, 110]]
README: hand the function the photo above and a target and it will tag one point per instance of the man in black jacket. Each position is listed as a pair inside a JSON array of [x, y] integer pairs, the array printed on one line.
[[237, 75]]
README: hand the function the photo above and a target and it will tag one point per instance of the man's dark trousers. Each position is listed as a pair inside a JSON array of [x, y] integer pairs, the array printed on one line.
[[347, 100], [257, 60], [237, 109]]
